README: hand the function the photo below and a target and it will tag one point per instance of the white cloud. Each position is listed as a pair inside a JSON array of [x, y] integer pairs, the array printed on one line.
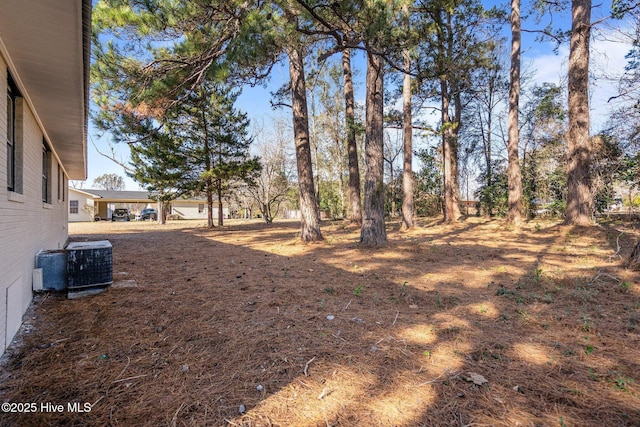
[[607, 62], [608, 52], [549, 67]]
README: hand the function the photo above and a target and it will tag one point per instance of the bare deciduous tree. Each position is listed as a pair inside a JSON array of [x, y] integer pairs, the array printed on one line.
[[273, 183], [109, 181]]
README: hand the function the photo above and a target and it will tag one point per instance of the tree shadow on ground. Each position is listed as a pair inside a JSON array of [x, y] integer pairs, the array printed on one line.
[[201, 324]]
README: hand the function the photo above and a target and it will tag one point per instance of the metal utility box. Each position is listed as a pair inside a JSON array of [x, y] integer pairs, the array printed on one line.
[[54, 269], [89, 265]]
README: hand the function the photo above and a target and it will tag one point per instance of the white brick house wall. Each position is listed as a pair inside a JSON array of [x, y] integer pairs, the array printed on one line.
[[27, 224]]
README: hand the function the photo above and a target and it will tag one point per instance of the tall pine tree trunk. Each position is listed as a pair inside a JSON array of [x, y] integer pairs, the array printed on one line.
[[487, 143], [208, 164], [408, 208], [455, 130], [355, 201], [373, 226], [309, 215], [514, 175], [407, 141], [488, 162], [449, 153], [579, 200], [633, 262], [220, 209], [162, 209], [449, 89], [209, 205]]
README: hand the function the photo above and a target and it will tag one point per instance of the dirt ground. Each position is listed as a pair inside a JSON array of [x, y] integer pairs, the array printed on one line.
[[465, 325]]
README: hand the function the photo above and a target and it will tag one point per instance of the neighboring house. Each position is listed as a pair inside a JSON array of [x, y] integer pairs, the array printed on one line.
[[194, 209], [90, 204], [44, 77], [81, 206]]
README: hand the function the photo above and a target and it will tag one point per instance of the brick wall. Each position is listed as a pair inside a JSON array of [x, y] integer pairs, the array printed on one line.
[[27, 224]]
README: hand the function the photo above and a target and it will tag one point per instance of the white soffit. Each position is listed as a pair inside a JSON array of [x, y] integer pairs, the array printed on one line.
[[47, 46]]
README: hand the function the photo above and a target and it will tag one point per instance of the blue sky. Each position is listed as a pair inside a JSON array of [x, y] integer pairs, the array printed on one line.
[[607, 58]]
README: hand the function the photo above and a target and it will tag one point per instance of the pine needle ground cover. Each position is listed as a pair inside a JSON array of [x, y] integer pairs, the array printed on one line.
[[243, 325]]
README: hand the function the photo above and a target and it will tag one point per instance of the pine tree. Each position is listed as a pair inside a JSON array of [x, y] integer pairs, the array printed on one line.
[[216, 144], [355, 201], [158, 164], [579, 198], [408, 183], [514, 215], [453, 46]]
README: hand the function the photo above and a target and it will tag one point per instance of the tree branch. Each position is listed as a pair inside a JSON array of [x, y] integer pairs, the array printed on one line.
[[112, 157]]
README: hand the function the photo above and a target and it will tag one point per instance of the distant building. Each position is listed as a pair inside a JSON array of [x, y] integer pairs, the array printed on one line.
[[90, 205], [44, 76], [95, 205], [194, 209]]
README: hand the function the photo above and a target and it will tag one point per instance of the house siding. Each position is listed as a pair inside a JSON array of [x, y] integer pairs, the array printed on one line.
[[189, 209], [186, 210], [27, 225], [86, 207]]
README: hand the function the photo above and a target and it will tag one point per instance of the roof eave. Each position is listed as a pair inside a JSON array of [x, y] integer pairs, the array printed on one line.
[[46, 44]]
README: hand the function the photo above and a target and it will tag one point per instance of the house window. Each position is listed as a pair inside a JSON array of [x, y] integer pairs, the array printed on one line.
[[14, 136], [46, 172], [200, 208], [73, 206], [62, 187], [59, 182], [11, 136]]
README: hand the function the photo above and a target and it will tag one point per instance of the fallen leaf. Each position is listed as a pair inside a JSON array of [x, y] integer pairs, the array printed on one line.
[[477, 379]]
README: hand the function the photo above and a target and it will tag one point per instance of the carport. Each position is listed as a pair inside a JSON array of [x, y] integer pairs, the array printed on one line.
[[106, 201]]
